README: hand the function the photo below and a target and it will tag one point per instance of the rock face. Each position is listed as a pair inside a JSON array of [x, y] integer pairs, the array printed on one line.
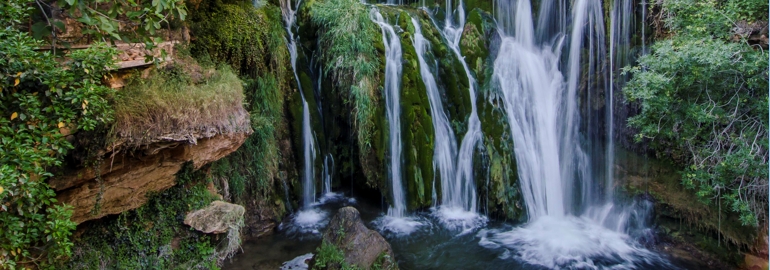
[[126, 178], [362, 247], [218, 217]]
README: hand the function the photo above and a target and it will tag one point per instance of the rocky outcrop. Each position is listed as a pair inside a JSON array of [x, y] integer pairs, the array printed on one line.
[[122, 180], [218, 217], [361, 246]]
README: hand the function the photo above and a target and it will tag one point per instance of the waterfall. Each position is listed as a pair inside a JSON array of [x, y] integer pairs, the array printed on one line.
[[445, 146], [461, 193], [542, 109], [308, 140], [572, 222], [328, 169], [308, 146], [620, 50], [393, 111]]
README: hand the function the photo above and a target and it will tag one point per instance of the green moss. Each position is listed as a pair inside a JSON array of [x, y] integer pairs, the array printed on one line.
[[473, 43], [416, 123], [450, 76], [249, 39], [504, 195], [147, 237]]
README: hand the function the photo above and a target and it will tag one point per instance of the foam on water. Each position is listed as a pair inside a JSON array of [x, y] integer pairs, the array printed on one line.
[[307, 222], [330, 197], [458, 219], [392, 226], [298, 263], [569, 242]]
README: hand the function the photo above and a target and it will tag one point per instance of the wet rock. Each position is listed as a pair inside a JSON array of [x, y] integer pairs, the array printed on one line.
[[218, 217], [362, 247]]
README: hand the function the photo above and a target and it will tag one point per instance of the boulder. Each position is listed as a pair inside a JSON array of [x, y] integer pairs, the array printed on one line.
[[362, 247], [218, 217]]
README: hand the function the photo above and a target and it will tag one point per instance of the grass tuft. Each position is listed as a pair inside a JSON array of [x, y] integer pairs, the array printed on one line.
[[350, 57], [171, 106]]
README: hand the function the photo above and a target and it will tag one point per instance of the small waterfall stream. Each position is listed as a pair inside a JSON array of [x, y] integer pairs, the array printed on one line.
[[445, 146], [393, 112], [458, 198], [308, 140]]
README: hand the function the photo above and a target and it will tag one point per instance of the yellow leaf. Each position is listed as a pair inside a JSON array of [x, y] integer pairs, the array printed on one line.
[[14, 115], [61, 124], [86, 70], [13, 252], [18, 74], [1, 190], [84, 105], [16, 82]]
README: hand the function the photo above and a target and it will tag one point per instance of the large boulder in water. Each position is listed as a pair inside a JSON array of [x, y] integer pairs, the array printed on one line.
[[347, 241]]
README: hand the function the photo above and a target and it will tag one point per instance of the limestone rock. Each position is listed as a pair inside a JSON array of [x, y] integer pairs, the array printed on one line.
[[126, 178], [218, 217], [362, 247]]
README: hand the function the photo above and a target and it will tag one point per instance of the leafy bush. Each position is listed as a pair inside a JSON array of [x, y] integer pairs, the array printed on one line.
[[42, 101], [704, 103]]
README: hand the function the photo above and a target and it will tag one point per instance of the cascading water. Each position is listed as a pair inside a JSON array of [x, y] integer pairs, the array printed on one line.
[[307, 220], [620, 49], [327, 174], [308, 141], [308, 147], [393, 111], [396, 221], [445, 145], [567, 227], [458, 194]]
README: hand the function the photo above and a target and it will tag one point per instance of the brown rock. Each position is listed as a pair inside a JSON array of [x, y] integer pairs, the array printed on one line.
[[755, 263], [362, 247], [218, 217], [125, 179]]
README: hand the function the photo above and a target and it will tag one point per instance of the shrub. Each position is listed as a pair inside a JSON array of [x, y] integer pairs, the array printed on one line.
[[704, 104]]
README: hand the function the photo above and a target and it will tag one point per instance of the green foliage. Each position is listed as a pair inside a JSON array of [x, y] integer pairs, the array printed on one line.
[[42, 100], [254, 165], [121, 20], [348, 36], [704, 104], [711, 17], [251, 40], [383, 262], [328, 256], [152, 236]]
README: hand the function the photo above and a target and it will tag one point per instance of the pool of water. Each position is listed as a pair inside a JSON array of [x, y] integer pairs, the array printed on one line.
[[563, 243]]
